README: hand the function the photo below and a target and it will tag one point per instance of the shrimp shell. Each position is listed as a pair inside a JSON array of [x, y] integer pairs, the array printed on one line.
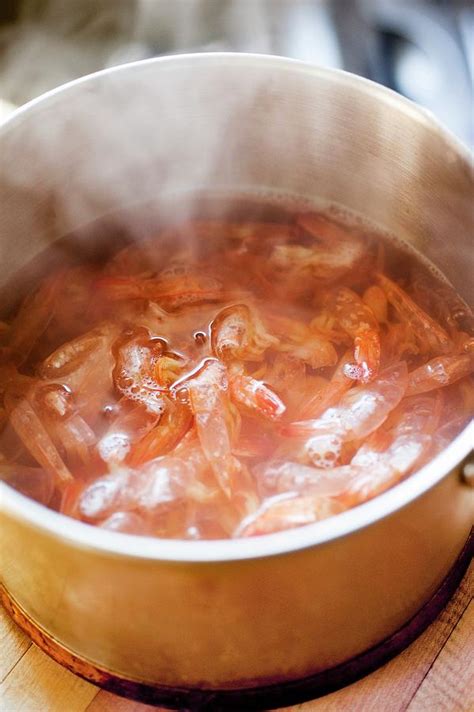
[[430, 335], [255, 396], [285, 512], [170, 292], [237, 333], [359, 321], [439, 372], [33, 318]]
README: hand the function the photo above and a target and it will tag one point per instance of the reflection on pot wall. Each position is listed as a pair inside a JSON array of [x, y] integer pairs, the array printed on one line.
[[413, 46]]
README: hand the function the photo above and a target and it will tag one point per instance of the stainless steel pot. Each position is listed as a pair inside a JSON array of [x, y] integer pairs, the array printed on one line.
[[234, 613]]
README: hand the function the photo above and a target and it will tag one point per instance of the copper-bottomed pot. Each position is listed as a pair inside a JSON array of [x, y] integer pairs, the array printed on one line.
[[238, 613]]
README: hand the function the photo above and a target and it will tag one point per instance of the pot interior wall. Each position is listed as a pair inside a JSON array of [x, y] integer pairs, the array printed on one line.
[[145, 132]]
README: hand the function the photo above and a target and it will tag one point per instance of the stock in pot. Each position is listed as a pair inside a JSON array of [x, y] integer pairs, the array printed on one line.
[[247, 623]]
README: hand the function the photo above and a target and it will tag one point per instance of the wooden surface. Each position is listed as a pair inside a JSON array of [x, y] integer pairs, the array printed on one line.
[[434, 674]]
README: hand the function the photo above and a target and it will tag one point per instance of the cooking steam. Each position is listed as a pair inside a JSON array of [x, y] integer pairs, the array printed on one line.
[[137, 138], [133, 140]]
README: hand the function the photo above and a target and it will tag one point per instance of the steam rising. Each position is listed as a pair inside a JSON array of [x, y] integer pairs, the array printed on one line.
[[144, 134], [137, 137], [52, 43]]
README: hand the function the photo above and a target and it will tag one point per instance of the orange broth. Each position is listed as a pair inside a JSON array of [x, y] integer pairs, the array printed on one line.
[[228, 378]]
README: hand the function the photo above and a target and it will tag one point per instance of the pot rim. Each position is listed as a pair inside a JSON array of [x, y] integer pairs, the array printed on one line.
[[341, 76], [118, 544]]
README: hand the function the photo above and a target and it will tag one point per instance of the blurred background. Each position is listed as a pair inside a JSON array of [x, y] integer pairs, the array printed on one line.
[[423, 49]]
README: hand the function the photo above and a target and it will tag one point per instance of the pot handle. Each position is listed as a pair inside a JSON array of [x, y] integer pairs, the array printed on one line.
[[467, 470]]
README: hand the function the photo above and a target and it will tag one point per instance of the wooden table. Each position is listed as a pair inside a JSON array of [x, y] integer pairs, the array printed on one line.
[[434, 674]]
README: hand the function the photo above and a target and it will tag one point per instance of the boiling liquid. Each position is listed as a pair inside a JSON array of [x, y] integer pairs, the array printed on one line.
[[232, 377]]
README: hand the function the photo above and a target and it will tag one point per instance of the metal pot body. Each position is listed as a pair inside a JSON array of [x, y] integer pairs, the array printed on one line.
[[229, 614]]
